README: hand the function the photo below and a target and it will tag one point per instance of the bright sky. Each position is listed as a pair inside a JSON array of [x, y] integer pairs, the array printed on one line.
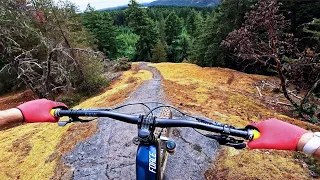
[[100, 4]]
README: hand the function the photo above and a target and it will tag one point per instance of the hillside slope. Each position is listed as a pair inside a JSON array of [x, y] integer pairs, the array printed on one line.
[[33, 151], [231, 97]]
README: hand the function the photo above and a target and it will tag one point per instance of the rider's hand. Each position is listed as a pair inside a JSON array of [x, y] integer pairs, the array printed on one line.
[[39, 110], [276, 134]]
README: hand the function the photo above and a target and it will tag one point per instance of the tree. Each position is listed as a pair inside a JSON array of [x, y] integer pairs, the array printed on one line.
[[313, 28], [300, 13], [161, 28], [173, 28], [144, 27], [200, 44], [262, 39], [193, 23], [159, 53], [119, 17], [101, 27], [206, 49], [126, 43], [36, 47]]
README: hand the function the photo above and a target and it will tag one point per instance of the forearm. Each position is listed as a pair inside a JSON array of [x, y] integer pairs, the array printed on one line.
[[10, 117], [303, 140]]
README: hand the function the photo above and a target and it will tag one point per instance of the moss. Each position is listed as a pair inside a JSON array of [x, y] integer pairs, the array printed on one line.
[[230, 97], [43, 144], [312, 163]]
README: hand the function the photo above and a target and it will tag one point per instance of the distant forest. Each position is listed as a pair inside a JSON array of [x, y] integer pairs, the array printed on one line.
[[190, 34], [52, 48], [267, 37]]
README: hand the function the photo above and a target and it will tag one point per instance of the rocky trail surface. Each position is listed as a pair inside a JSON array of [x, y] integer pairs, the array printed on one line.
[[110, 153]]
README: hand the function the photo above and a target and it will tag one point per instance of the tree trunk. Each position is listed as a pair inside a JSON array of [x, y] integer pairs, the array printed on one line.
[[76, 62], [306, 97], [283, 84]]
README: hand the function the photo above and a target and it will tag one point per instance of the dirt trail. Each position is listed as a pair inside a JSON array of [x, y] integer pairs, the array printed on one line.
[[110, 153]]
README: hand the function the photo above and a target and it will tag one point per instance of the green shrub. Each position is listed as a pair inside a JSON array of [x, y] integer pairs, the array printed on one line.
[[314, 120], [8, 82], [94, 80], [121, 64], [70, 99]]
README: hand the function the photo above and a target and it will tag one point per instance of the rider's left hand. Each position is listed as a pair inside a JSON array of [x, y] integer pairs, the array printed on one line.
[[39, 110]]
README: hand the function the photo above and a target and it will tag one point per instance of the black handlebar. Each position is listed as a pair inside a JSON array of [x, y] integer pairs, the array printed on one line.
[[158, 122], [224, 129], [132, 119]]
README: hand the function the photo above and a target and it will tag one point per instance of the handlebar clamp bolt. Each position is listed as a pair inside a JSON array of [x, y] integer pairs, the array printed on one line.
[[226, 129]]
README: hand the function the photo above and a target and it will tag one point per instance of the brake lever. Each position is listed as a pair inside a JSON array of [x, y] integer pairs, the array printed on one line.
[[208, 121], [63, 123], [227, 141], [72, 119]]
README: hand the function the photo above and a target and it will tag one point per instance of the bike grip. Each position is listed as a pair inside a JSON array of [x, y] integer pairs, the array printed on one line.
[[256, 134], [52, 111]]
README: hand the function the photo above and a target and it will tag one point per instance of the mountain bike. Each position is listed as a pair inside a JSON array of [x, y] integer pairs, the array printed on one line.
[[154, 132]]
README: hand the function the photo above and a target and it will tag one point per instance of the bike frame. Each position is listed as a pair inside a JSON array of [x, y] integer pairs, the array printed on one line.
[[148, 162]]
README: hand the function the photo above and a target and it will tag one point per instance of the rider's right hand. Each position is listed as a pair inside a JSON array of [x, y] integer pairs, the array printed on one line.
[[39, 110], [276, 134]]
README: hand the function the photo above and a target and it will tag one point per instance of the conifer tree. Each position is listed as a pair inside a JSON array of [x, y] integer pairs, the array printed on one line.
[[161, 27], [102, 28], [173, 27], [145, 28], [159, 53], [193, 23], [206, 50]]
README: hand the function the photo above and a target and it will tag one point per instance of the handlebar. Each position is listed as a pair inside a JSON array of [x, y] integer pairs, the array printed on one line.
[[248, 134], [132, 119], [225, 129]]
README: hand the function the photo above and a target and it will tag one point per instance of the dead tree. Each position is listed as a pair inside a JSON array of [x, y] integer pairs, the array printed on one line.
[[45, 63], [262, 39]]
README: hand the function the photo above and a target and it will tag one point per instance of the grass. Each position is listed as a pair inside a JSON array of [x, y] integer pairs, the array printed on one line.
[[33, 151], [231, 97]]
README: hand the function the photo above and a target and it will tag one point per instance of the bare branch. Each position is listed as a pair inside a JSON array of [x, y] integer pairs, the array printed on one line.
[[259, 91], [4, 67]]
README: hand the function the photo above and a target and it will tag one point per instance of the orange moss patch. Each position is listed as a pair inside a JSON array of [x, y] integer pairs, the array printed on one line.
[[33, 151], [257, 164], [14, 99], [231, 97]]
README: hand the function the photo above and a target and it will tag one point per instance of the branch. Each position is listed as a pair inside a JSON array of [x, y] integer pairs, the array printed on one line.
[[23, 53], [282, 103], [31, 62], [259, 91], [4, 67], [59, 87], [283, 84], [46, 74], [306, 97], [296, 96]]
